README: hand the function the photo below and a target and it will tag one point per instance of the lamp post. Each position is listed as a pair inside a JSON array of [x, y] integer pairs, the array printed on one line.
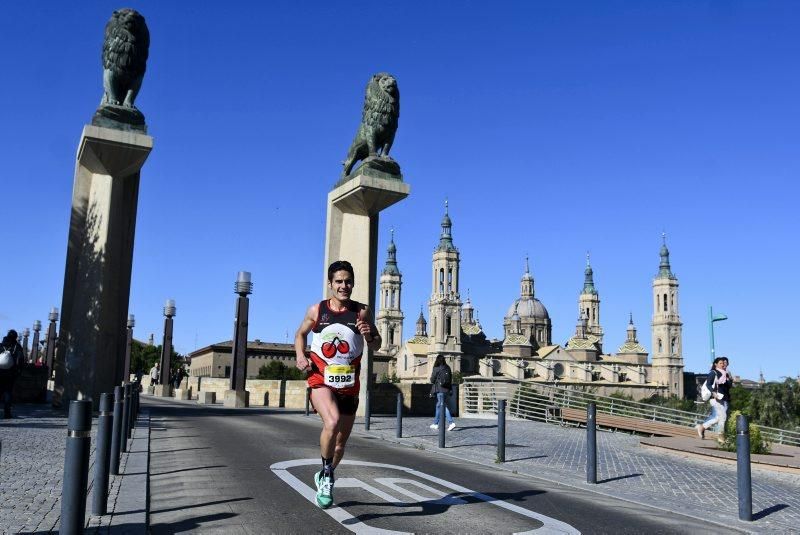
[[711, 319], [25, 334], [37, 326], [162, 389], [126, 368], [237, 396], [51, 339]]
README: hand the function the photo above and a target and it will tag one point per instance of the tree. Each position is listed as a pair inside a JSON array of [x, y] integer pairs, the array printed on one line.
[[277, 370], [144, 357]]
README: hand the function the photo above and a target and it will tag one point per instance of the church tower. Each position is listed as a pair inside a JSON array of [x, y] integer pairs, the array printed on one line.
[[589, 303], [390, 317], [444, 308], [667, 349]]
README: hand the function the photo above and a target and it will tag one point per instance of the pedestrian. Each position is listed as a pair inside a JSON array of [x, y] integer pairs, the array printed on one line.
[[719, 382], [177, 378], [442, 381], [340, 327], [10, 361], [154, 373]]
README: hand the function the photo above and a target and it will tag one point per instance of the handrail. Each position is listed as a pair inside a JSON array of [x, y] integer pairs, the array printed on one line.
[[532, 401]]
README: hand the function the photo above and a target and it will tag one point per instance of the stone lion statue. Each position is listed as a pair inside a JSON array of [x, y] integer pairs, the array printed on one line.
[[125, 50], [378, 122]]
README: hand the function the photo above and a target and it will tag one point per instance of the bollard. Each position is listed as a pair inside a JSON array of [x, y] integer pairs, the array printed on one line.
[[442, 420], [501, 431], [591, 443], [743, 469], [126, 415], [308, 399], [102, 454], [366, 410], [132, 411], [399, 415], [76, 467], [116, 432]]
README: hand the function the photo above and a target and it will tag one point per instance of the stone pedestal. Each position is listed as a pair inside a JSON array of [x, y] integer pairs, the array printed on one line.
[[352, 234], [183, 393], [162, 391], [151, 390], [206, 398], [97, 276], [237, 399]]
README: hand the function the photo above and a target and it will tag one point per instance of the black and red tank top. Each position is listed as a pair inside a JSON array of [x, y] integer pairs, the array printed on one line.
[[336, 348]]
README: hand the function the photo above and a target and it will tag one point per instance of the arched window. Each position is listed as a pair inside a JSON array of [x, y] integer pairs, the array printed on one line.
[[558, 370], [391, 335], [660, 346], [658, 302], [447, 325], [386, 299], [665, 302], [450, 279], [393, 296], [405, 362], [441, 280], [672, 345], [672, 300]]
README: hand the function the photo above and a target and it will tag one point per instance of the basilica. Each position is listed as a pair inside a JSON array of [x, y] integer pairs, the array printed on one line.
[[527, 351]]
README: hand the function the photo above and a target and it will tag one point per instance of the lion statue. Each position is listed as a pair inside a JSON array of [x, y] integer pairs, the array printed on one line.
[[125, 50], [378, 122]]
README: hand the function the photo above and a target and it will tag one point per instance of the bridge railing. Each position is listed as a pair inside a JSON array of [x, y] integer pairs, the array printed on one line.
[[543, 402]]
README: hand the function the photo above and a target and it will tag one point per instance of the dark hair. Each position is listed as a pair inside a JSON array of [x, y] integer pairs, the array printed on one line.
[[439, 360], [12, 334], [340, 265], [716, 360]]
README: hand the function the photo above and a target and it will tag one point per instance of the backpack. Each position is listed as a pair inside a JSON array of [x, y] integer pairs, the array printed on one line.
[[445, 378], [705, 393], [6, 359]]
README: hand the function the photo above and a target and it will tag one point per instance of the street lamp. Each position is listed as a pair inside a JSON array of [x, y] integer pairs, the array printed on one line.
[[25, 334], [51, 338], [166, 348], [37, 326], [711, 319], [237, 396], [126, 367]]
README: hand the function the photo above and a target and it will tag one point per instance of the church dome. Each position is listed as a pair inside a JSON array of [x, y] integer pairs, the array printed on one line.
[[528, 308]]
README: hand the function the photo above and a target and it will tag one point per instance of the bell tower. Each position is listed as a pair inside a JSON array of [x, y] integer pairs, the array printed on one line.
[[667, 329], [389, 319], [589, 303], [444, 307]]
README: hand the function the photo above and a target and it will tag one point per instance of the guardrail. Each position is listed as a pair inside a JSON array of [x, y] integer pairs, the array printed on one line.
[[543, 402]]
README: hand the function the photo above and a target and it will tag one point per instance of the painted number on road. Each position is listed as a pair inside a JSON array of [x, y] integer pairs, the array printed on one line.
[[397, 491]]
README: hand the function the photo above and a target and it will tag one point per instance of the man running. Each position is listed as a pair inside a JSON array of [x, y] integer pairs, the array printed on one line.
[[340, 326]]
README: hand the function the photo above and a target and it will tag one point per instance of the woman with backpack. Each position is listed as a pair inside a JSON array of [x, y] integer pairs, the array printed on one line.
[[442, 379], [719, 382], [12, 358]]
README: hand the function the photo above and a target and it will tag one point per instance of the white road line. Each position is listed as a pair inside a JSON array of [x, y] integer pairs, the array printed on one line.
[[281, 469]]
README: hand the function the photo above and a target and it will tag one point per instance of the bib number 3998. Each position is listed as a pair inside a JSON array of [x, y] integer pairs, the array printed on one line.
[[340, 376]]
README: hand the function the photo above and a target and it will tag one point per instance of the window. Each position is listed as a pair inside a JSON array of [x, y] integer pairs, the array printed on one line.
[[441, 280], [386, 299], [665, 302], [447, 325], [658, 302], [660, 347], [393, 295], [391, 335], [405, 362], [558, 370], [673, 344], [450, 280]]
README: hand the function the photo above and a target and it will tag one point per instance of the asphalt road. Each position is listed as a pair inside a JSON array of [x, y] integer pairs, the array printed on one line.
[[215, 470]]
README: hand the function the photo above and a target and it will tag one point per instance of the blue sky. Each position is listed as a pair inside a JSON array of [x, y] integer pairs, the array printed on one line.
[[553, 128]]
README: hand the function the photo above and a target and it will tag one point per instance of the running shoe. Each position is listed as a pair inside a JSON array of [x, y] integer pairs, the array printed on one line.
[[324, 490], [451, 426], [434, 426]]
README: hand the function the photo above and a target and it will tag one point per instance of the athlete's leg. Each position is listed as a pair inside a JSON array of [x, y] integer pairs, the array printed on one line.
[[345, 427], [325, 403]]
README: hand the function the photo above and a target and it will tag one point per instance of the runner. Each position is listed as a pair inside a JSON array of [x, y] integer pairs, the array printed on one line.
[[340, 327]]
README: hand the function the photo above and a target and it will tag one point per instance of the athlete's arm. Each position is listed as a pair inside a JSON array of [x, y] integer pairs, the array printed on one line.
[[302, 362], [367, 328]]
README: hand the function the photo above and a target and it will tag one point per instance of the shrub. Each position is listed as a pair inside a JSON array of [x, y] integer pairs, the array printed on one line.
[[277, 370], [758, 443]]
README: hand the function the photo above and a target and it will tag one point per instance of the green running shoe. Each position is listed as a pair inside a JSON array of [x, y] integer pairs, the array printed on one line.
[[324, 490]]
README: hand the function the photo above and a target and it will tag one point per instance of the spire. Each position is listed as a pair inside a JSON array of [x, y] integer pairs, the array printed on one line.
[[391, 257], [588, 278], [664, 271], [631, 330], [516, 324], [526, 284], [446, 238], [422, 325]]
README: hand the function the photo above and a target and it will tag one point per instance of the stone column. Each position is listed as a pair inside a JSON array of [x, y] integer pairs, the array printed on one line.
[[163, 389], [352, 234], [99, 256], [237, 396]]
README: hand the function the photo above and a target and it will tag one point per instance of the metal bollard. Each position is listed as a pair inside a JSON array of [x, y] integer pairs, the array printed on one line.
[[126, 415], [743, 469], [442, 421], [591, 443], [308, 400], [501, 431], [399, 415], [366, 411], [116, 433], [103, 454], [76, 467]]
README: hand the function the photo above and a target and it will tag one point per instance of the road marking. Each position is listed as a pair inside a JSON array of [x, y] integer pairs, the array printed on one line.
[[281, 469]]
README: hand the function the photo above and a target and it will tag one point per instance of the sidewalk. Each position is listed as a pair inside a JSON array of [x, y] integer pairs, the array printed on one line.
[[698, 488], [31, 469]]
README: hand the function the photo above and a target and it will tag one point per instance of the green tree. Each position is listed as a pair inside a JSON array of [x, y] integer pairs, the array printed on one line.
[[145, 356], [775, 405], [758, 443], [277, 370]]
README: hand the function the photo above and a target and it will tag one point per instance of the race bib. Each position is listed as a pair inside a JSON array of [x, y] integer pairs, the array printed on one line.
[[340, 375]]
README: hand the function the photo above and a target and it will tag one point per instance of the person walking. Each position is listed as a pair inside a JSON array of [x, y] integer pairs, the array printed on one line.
[[13, 359], [154, 372], [442, 380], [719, 382], [340, 327]]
